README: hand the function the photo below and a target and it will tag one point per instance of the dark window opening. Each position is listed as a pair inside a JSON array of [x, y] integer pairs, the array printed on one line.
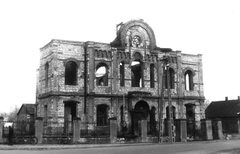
[[45, 113], [46, 74], [122, 74], [102, 115], [190, 114], [152, 119], [152, 73], [101, 75], [190, 117], [121, 114], [70, 110], [171, 79], [190, 111], [173, 112], [122, 121], [188, 80], [71, 73]]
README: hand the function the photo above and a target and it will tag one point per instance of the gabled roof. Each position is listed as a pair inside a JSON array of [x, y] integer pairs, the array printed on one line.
[[29, 108], [223, 109]]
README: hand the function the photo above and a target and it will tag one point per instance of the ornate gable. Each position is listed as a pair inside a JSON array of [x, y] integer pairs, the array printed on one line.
[[135, 33]]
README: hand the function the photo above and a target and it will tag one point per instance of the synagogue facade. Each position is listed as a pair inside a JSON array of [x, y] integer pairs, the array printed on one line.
[[124, 79]]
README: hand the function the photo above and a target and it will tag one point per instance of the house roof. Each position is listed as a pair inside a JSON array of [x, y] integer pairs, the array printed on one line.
[[223, 109], [29, 108]]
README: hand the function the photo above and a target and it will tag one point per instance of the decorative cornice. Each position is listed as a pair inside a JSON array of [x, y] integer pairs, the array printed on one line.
[[129, 95]]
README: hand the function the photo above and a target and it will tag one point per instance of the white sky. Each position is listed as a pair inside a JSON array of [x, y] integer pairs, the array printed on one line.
[[208, 27]]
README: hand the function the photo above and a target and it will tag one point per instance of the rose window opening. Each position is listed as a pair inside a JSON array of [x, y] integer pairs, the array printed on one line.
[[136, 40]]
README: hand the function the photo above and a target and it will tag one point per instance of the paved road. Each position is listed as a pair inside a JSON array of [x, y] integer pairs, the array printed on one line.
[[212, 147]]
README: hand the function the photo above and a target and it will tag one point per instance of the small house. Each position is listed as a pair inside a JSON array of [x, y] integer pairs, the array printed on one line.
[[26, 112], [228, 111]]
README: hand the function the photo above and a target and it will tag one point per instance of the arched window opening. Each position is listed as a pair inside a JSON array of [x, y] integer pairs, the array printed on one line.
[[152, 74], [171, 79], [188, 80], [122, 74], [136, 75], [102, 115], [46, 74], [101, 75], [71, 73], [173, 112]]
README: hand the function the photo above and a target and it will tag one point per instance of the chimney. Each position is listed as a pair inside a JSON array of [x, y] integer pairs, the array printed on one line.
[[226, 98]]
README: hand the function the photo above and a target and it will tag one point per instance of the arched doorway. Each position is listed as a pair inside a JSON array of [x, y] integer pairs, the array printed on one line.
[[140, 112]]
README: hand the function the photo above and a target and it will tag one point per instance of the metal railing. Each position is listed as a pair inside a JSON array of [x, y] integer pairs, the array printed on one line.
[[57, 128], [92, 130]]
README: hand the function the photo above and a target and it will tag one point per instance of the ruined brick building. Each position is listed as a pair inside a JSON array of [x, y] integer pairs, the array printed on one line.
[[122, 79]]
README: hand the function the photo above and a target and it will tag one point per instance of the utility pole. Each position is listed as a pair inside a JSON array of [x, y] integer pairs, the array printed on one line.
[[165, 78], [161, 88]]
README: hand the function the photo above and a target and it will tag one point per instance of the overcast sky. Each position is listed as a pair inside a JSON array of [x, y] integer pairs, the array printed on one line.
[[209, 27]]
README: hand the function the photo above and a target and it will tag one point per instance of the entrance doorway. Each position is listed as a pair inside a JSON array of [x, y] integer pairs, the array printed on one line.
[[140, 112], [70, 112]]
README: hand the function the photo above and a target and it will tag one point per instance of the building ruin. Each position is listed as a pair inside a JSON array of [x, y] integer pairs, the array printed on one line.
[[123, 79]]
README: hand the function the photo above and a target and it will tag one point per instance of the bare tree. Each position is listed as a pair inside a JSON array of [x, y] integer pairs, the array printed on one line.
[[3, 114], [12, 115]]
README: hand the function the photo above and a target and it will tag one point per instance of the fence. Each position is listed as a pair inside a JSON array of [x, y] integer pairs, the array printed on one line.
[[57, 132], [91, 130], [20, 128], [57, 128]]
